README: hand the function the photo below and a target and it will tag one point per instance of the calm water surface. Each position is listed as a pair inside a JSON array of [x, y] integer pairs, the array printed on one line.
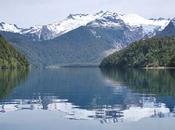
[[87, 98]]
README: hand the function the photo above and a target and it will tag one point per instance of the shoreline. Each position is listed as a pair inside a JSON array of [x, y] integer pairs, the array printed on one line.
[[159, 68], [98, 66], [145, 68], [72, 66]]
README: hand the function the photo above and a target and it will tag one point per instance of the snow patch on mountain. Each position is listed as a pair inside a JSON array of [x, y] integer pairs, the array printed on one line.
[[9, 27], [136, 20], [148, 25], [173, 21], [31, 30], [107, 20]]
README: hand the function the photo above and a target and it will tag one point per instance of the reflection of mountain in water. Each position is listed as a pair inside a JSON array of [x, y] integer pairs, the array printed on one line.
[[159, 82], [84, 94], [148, 108], [82, 87], [9, 79]]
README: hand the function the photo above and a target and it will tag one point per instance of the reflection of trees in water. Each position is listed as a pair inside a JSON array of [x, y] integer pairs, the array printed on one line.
[[88, 97], [82, 87], [9, 79], [160, 82]]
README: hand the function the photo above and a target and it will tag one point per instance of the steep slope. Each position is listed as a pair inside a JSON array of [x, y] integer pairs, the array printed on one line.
[[154, 52], [24, 45], [9, 57], [85, 45], [169, 29]]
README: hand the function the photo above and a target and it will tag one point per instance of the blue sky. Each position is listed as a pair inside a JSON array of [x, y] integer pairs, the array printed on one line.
[[26, 13]]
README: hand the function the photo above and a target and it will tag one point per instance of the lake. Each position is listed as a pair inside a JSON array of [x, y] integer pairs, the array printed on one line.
[[87, 99]]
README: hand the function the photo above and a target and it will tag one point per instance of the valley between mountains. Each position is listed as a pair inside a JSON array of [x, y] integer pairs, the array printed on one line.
[[83, 39]]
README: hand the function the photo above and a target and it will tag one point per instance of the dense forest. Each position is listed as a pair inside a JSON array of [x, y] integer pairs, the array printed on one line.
[[9, 57], [153, 52]]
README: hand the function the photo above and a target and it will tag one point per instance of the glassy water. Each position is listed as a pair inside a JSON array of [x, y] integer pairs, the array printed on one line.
[[87, 98]]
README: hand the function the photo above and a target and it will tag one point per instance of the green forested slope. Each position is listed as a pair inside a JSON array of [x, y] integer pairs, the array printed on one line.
[[9, 57], [153, 52]]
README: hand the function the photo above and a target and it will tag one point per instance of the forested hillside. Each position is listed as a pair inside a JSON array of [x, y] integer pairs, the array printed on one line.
[[9, 57], [153, 52]]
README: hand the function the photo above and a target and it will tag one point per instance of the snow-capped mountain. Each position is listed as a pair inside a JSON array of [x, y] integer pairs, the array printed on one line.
[[114, 20], [173, 21], [51, 31], [9, 27], [169, 30], [107, 20], [100, 19], [96, 36], [148, 25], [131, 20], [136, 20]]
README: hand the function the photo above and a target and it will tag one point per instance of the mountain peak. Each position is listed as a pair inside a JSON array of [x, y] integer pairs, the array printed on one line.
[[105, 19], [9, 27], [100, 12], [107, 14], [74, 16]]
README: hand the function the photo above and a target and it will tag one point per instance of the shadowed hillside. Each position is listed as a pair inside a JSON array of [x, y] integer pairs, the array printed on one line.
[[9, 57]]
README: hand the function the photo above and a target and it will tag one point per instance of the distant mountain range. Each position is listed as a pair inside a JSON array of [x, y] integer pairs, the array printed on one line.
[[82, 38], [101, 19]]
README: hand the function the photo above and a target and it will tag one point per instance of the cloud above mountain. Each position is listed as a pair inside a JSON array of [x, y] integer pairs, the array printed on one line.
[[24, 12]]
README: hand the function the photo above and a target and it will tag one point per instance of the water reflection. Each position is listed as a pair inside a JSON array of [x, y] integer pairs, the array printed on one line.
[[9, 79], [91, 94], [159, 82]]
